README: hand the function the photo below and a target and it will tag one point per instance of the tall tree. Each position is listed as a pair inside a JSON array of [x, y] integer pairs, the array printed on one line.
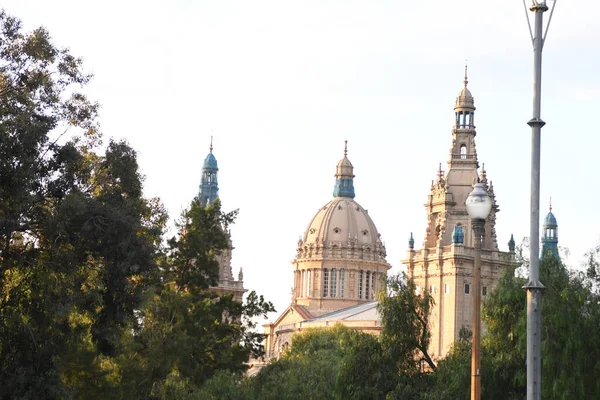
[[77, 239], [405, 320], [188, 332]]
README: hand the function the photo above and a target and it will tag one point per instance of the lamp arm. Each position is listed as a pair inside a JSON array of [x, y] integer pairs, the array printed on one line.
[[528, 23], [549, 20]]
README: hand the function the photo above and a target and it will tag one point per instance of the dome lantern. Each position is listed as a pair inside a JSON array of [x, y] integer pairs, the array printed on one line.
[[344, 177]]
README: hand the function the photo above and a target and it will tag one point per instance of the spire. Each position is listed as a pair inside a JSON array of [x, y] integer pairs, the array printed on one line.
[[483, 175], [550, 234], [511, 244], [465, 104], [344, 177], [209, 186], [462, 152]]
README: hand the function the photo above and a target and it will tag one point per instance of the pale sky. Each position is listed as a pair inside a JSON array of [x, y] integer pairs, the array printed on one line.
[[281, 84]]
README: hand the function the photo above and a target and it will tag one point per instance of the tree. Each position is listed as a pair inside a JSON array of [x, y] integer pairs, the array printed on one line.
[[188, 332], [77, 239], [405, 320], [333, 363], [91, 303]]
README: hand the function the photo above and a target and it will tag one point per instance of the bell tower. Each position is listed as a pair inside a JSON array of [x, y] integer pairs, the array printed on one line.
[[550, 235], [207, 194], [444, 265], [209, 186]]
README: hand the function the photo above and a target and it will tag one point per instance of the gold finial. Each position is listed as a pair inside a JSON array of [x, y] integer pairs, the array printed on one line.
[[550, 204], [211, 143], [466, 80], [345, 147]]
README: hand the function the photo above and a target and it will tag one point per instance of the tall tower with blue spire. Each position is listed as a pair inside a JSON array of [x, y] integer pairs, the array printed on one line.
[[208, 193], [209, 186], [550, 235]]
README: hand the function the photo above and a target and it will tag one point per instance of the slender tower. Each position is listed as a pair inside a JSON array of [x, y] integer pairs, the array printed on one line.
[[550, 235], [209, 186], [208, 193], [445, 264]]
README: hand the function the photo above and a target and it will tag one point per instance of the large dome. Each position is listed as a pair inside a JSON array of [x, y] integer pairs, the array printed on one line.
[[342, 229]]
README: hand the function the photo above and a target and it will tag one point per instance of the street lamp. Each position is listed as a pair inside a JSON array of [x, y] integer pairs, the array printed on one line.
[[534, 287], [479, 206]]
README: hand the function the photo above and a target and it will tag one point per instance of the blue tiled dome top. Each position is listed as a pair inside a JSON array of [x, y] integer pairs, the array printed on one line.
[[550, 220], [210, 162]]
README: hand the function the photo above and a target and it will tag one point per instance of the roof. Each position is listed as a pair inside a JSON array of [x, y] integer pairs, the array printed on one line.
[[210, 162], [550, 220], [361, 312]]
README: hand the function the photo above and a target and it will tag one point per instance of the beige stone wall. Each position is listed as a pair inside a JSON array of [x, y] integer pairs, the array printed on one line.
[[453, 266], [309, 283]]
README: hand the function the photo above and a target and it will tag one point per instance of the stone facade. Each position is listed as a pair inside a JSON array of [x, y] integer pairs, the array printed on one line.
[[339, 264], [444, 266]]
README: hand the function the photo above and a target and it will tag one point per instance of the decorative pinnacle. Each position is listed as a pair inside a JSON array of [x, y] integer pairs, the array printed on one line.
[[483, 174], [440, 173], [345, 148], [466, 80], [211, 147], [550, 204]]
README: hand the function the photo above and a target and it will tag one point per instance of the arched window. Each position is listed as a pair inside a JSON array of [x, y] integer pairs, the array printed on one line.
[[367, 285], [463, 152], [325, 282], [342, 282], [308, 283]]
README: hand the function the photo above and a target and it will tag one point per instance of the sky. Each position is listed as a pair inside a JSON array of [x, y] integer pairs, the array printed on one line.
[[281, 84]]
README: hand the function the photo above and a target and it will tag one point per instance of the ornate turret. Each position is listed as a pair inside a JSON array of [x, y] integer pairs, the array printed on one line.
[[445, 264], [511, 244], [209, 186], [462, 153], [208, 193], [446, 203], [344, 177], [550, 235]]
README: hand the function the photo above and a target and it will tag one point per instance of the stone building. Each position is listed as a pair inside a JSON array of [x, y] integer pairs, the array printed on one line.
[[444, 264], [207, 194], [339, 264]]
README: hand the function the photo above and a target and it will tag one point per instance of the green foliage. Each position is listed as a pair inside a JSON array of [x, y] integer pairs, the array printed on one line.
[[451, 380], [225, 385], [405, 320], [570, 353], [91, 304], [335, 363]]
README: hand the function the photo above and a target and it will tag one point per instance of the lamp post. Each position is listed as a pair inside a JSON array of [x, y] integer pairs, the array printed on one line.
[[534, 287], [479, 206]]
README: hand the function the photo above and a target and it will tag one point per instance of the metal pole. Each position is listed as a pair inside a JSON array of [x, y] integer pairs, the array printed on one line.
[[478, 230], [534, 287]]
